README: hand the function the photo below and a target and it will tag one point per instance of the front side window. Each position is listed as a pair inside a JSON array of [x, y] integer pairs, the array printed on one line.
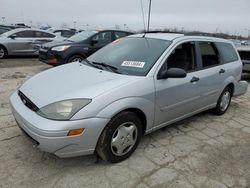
[[25, 34], [183, 56], [227, 52], [103, 38], [132, 56], [209, 54]]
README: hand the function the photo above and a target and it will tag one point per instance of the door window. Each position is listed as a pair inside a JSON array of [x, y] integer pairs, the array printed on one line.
[[103, 38], [209, 54], [40, 34], [25, 34], [183, 56], [119, 34]]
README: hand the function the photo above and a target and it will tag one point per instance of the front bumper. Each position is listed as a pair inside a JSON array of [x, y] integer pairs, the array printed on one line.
[[51, 136], [49, 58]]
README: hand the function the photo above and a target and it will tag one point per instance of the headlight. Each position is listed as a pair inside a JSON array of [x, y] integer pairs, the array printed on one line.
[[63, 110], [60, 48]]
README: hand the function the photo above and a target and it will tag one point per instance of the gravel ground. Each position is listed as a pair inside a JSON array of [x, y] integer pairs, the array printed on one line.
[[203, 151]]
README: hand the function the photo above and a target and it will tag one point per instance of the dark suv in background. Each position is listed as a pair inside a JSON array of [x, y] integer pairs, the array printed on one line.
[[78, 47]]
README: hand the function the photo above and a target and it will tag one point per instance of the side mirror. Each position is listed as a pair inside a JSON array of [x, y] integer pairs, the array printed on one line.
[[13, 36], [93, 42], [172, 73]]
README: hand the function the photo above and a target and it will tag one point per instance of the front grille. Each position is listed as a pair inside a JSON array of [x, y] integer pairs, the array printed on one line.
[[27, 102]]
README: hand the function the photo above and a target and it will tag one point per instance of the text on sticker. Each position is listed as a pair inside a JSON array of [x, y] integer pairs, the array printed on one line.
[[137, 64]]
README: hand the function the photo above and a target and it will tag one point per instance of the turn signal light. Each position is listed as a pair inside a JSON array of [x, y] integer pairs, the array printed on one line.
[[75, 132], [54, 60]]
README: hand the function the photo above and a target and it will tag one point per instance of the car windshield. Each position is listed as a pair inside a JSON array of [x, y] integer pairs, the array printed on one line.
[[82, 36], [131, 56]]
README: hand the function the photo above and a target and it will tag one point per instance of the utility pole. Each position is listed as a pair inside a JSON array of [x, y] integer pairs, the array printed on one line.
[[74, 24], [149, 13], [249, 34], [3, 18]]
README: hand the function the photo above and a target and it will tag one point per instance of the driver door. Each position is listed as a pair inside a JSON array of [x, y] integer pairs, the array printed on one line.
[[100, 40], [178, 97]]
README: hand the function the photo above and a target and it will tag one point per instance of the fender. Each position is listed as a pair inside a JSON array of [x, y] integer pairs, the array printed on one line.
[[146, 106]]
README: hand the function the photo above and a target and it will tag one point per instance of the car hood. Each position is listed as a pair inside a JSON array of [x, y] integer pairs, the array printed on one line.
[[72, 81]]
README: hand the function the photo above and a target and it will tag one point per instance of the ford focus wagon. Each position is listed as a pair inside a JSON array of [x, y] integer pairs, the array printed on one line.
[[131, 87]]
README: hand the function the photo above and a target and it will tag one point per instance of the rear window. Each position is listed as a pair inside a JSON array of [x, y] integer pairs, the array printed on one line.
[[227, 52]]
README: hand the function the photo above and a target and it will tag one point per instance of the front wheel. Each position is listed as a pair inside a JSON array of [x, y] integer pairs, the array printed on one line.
[[120, 137], [223, 102], [75, 58]]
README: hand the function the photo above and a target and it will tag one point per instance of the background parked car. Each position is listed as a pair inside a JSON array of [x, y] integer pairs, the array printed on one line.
[[4, 29], [78, 47], [244, 52], [24, 41], [66, 33]]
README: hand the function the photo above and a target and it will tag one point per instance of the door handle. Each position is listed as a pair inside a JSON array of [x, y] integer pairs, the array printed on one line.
[[194, 79], [222, 71]]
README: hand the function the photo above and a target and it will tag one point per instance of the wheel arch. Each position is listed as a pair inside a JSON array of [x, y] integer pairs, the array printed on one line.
[[75, 54], [142, 107], [231, 86], [141, 115]]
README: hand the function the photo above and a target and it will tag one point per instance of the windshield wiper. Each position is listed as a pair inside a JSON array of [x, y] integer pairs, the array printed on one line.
[[112, 68], [91, 64]]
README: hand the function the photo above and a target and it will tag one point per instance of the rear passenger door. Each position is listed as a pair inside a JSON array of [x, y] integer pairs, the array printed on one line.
[[22, 42], [212, 74]]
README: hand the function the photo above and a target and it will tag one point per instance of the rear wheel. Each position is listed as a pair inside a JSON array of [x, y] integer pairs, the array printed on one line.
[[223, 102], [120, 137], [2, 52], [75, 58]]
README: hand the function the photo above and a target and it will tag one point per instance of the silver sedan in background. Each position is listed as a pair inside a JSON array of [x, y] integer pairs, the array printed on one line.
[[24, 41]]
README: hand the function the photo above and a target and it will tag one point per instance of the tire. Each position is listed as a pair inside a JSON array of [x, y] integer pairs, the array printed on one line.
[[75, 58], [120, 137], [223, 102], [3, 52]]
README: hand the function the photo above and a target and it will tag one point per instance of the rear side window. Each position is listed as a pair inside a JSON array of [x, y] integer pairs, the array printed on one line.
[[209, 54], [40, 34], [227, 52], [119, 34]]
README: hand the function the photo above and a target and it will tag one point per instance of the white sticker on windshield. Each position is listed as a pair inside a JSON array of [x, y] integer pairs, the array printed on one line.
[[137, 64]]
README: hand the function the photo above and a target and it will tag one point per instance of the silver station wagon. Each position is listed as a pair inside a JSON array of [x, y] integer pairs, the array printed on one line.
[[131, 87]]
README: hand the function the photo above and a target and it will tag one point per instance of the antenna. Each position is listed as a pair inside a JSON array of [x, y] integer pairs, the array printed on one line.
[[144, 24], [149, 13]]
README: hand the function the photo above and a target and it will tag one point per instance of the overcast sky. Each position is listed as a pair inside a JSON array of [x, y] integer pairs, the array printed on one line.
[[231, 16]]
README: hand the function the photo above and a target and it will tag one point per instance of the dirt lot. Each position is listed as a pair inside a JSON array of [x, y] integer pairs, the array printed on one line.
[[203, 151]]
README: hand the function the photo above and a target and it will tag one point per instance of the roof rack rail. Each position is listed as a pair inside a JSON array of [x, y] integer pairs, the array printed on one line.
[[200, 34], [159, 31]]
